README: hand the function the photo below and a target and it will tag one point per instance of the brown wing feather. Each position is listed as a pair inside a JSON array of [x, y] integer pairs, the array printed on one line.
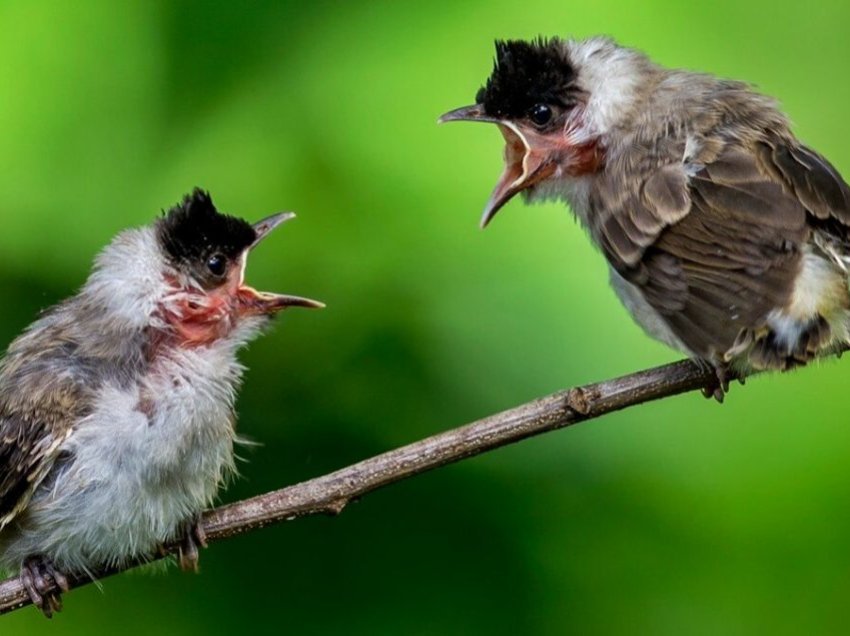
[[661, 200], [725, 250], [46, 387], [27, 451], [811, 178]]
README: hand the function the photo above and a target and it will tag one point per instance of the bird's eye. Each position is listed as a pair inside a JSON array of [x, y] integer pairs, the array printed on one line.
[[540, 114], [217, 264]]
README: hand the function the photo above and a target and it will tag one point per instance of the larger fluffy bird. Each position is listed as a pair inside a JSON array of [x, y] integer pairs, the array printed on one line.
[[726, 236], [116, 406]]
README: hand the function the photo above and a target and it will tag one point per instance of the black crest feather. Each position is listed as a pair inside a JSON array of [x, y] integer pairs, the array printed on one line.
[[194, 229], [525, 74]]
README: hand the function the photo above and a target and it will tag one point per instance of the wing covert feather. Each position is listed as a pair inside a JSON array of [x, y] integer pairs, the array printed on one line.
[[715, 252]]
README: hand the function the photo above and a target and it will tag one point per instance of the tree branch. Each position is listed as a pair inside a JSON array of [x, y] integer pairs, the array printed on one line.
[[330, 493]]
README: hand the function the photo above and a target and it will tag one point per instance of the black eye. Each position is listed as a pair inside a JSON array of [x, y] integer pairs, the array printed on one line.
[[540, 114], [217, 263]]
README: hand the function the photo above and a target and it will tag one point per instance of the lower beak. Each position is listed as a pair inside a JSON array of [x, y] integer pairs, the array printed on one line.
[[525, 164], [251, 302]]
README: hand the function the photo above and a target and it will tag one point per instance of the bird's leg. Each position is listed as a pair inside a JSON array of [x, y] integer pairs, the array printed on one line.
[[36, 575], [194, 538]]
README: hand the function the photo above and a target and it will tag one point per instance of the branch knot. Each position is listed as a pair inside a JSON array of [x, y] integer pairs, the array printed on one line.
[[579, 400]]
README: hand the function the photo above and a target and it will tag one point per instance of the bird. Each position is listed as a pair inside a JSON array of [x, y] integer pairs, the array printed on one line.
[[726, 237], [117, 422]]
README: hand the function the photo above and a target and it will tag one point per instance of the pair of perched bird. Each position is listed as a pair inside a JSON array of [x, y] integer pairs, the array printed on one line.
[[726, 238]]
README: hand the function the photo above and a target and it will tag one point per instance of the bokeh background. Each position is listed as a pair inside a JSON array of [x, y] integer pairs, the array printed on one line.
[[679, 517]]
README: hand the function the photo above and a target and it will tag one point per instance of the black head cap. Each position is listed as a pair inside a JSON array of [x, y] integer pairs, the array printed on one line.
[[193, 231], [525, 74]]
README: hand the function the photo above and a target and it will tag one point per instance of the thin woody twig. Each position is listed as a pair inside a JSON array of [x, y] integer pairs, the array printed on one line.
[[330, 493]]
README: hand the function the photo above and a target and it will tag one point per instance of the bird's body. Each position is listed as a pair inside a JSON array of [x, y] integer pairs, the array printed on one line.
[[150, 441], [116, 406], [726, 237]]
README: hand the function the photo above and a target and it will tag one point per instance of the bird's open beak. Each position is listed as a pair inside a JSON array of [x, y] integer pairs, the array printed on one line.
[[253, 302], [527, 158]]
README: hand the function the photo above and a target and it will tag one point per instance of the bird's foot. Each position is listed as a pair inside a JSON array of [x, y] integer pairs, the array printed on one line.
[[188, 551], [41, 580], [720, 387]]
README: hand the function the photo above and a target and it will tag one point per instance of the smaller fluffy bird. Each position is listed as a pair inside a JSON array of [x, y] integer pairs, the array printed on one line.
[[116, 406], [726, 237]]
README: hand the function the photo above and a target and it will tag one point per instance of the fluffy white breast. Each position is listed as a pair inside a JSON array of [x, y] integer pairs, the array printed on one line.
[[151, 456]]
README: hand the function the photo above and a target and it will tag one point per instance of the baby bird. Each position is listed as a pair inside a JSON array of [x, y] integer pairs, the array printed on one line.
[[116, 405]]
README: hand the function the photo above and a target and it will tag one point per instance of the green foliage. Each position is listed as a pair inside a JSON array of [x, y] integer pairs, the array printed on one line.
[[676, 517]]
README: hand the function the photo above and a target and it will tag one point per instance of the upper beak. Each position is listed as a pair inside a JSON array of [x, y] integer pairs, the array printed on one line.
[[262, 228], [252, 301], [467, 113], [527, 158]]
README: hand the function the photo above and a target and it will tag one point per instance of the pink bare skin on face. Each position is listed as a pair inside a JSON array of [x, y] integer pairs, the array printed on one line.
[[199, 316]]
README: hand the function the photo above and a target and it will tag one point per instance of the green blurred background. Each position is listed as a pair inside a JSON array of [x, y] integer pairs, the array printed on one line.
[[680, 517]]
